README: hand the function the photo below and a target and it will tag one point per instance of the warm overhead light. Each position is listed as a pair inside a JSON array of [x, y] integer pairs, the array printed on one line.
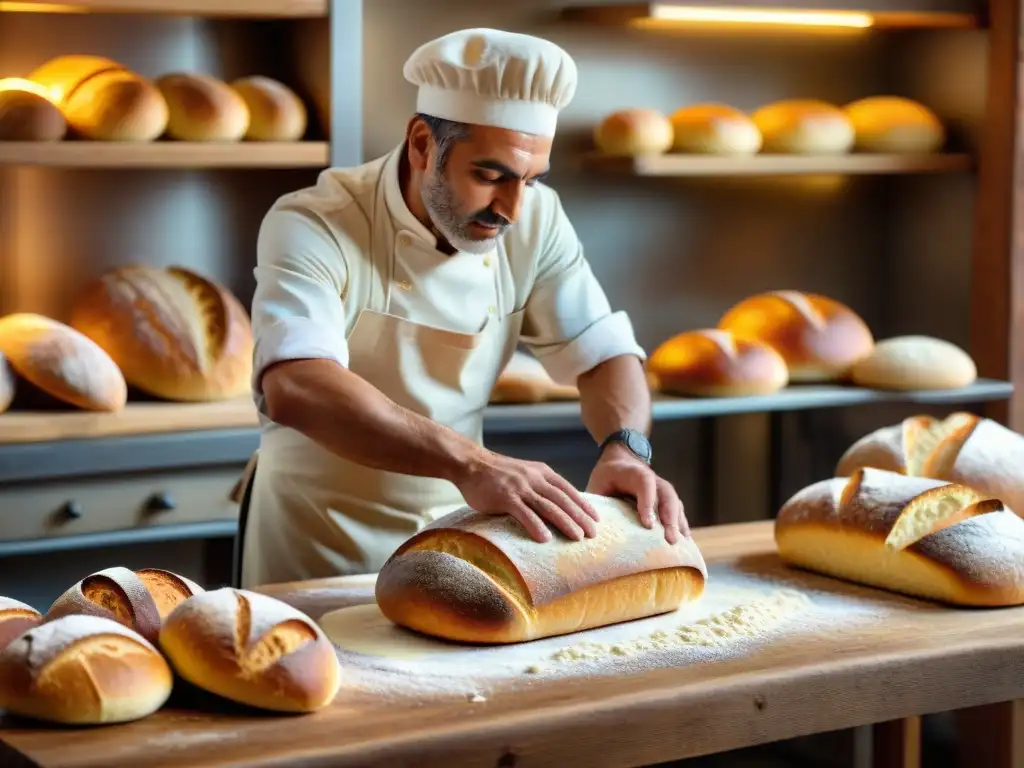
[[19, 7], [778, 17]]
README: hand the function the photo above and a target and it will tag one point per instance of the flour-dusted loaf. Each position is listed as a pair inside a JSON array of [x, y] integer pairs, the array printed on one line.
[[919, 536], [804, 127], [139, 600], [15, 617], [83, 670], [524, 380], [203, 108], [915, 362], [176, 334], [962, 448], [62, 362], [819, 338], [714, 129], [477, 578], [714, 363], [634, 132], [26, 114], [7, 384], [276, 113], [252, 649]]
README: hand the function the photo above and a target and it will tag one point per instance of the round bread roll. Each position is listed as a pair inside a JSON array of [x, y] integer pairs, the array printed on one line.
[[15, 618], [633, 132], [139, 600], [890, 124], [7, 384], [62, 362], [252, 649], [915, 362], [714, 129], [203, 108], [175, 334], [713, 363], [83, 670], [819, 338], [26, 114], [103, 100], [276, 113], [524, 380], [804, 127]]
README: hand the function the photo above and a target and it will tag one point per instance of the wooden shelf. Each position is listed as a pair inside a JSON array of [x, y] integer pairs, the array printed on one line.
[[778, 165], [267, 9], [165, 154]]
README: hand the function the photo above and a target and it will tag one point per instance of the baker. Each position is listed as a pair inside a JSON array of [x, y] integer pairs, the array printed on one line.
[[390, 296]]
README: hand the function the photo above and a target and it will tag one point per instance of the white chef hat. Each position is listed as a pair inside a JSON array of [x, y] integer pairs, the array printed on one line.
[[490, 77]]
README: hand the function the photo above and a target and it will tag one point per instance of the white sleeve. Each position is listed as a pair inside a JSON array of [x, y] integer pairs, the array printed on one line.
[[297, 310], [569, 325]]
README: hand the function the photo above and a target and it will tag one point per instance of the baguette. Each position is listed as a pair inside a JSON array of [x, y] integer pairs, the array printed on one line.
[[252, 649], [83, 670], [139, 600], [476, 578], [15, 618], [919, 536]]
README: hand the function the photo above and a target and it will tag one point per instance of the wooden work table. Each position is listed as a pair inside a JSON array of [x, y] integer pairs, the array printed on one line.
[[910, 663]]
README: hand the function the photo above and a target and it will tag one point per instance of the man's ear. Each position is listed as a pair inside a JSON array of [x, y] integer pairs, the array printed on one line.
[[421, 144]]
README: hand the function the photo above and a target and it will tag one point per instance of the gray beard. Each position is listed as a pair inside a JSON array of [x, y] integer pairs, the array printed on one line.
[[442, 207]]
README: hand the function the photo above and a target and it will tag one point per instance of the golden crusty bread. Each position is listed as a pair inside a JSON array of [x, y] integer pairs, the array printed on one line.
[[15, 617], [27, 114], [252, 649], [634, 132], [915, 362], [819, 338], [714, 129], [203, 108], [103, 100], [62, 362], [83, 670], [894, 125], [7, 384], [276, 113], [804, 127], [175, 334], [478, 578], [524, 380], [139, 600], [915, 535], [714, 363]]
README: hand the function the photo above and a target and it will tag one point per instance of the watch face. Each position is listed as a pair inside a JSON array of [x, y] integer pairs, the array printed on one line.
[[639, 445]]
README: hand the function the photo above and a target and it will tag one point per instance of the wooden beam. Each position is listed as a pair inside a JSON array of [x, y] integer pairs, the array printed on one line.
[[897, 743]]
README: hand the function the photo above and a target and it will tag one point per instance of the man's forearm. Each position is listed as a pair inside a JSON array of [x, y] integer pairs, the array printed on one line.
[[614, 395], [353, 419]]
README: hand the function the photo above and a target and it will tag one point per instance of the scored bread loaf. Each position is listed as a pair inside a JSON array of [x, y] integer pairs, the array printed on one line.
[[176, 334], [962, 448], [83, 670], [203, 108], [103, 100], [524, 380], [634, 132], [140, 600], [804, 127], [819, 338], [714, 363], [915, 535], [15, 618], [915, 362], [7, 384], [252, 649], [27, 114], [476, 578], [276, 113], [62, 362], [714, 129]]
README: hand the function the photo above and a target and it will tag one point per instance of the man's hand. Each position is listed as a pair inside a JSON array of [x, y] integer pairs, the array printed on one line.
[[531, 493], [620, 473]]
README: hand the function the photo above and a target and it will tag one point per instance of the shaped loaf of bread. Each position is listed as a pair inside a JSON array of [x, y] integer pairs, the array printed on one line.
[[175, 333], [915, 362], [819, 338], [918, 536], [252, 649], [140, 600], [961, 448], [276, 113], [83, 670], [203, 108], [16, 617], [476, 578], [524, 380]]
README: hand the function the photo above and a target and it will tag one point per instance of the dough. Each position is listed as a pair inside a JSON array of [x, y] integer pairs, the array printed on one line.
[[363, 629]]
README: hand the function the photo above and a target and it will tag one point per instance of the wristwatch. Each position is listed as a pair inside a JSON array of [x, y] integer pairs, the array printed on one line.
[[634, 440]]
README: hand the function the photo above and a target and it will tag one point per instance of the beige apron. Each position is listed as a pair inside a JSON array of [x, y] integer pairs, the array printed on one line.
[[314, 514]]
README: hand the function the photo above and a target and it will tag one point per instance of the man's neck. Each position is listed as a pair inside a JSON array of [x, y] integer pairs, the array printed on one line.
[[414, 201]]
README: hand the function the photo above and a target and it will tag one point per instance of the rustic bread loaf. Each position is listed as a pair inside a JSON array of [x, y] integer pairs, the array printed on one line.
[[714, 129], [174, 333], [83, 670], [714, 363], [252, 649], [203, 108], [894, 125], [819, 338], [524, 380], [276, 113], [102, 100], [26, 114], [914, 535], [15, 618], [62, 362], [479, 578], [139, 600], [962, 448], [804, 127], [633, 132], [7, 384], [914, 362]]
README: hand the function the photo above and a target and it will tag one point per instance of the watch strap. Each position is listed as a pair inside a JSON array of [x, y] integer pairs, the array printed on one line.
[[634, 440]]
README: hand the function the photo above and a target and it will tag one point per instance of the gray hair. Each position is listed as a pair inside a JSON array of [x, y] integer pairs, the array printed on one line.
[[446, 134]]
